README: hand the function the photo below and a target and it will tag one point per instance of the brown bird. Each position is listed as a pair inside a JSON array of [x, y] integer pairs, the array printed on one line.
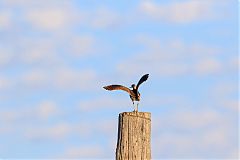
[[134, 94]]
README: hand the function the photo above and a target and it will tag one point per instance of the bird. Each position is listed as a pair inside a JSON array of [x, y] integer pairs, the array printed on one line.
[[133, 93]]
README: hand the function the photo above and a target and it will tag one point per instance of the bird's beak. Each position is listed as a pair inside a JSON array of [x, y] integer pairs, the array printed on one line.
[[131, 87]]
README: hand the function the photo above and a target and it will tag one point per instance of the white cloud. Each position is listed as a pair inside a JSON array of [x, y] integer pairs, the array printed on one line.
[[104, 103], [208, 66], [178, 12], [223, 89], [5, 130], [104, 18], [51, 51], [224, 94], [192, 134], [47, 109], [189, 120], [26, 4], [63, 15], [196, 120], [234, 63], [6, 56], [5, 19], [108, 127], [63, 130], [90, 151], [38, 53], [49, 18], [52, 16], [81, 46], [56, 132], [66, 78], [190, 146], [232, 104], [20, 3], [62, 78], [84, 129], [174, 58], [8, 116], [49, 48], [43, 110], [35, 123], [35, 79], [4, 83]]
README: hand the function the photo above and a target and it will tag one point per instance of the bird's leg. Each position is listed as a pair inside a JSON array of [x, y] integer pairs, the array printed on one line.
[[137, 106], [134, 107]]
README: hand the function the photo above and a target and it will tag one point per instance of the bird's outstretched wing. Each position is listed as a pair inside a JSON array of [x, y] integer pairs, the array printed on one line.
[[117, 87], [143, 79]]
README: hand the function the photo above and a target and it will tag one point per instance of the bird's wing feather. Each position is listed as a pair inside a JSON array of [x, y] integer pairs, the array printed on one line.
[[143, 79], [117, 87]]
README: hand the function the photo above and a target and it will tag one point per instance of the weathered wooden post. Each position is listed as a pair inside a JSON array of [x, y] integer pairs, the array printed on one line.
[[134, 136]]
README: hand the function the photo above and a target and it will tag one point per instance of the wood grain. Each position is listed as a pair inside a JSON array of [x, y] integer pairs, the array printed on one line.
[[134, 136]]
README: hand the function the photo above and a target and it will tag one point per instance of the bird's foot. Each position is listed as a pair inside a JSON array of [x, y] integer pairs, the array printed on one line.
[[135, 110]]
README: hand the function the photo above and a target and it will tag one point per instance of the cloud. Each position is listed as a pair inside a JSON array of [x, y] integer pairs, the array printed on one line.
[[56, 16], [32, 123], [6, 56], [5, 20], [84, 130], [49, 19], [38, 52], [186, 146], [179, 12], [223, 89], [90, 151], [21, 3], [224, 94], [52, 51], [82, 46], [232, 104], [46, 66], [104, 18], [43, 110], [208, 66], [109, 128], [4, 83], [8, 117], [56, 132], [35, 79], [234, 63], [63, 78], [75, 79], [173, 58], [47, 109], [194, 134], [102, 103], [195, 120], [46, 47]]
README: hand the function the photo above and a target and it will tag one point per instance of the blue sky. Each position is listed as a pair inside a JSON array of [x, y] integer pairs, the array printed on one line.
[[56, 55]]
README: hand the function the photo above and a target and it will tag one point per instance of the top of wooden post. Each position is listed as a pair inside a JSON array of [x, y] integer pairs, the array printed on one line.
[[145, 115], [134, 136]]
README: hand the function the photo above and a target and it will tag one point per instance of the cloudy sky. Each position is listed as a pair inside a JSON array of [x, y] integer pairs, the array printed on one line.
[[56, 55]]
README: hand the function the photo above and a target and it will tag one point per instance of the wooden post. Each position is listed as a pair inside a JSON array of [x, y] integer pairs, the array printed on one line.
[[134, 136]]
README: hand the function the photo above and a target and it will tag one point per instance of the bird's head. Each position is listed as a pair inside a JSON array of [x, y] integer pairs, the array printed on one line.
[[133, 86]]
